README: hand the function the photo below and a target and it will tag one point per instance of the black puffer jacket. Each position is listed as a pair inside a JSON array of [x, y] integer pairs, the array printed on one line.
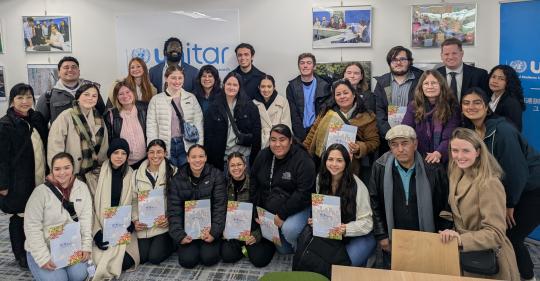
[[17, 171], [211, 186], [115, 127], [292, 183]]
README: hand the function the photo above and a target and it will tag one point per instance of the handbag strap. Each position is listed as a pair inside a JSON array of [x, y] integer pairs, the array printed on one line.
[[343, 117], [68, 205], [231, 120], [178, 114]]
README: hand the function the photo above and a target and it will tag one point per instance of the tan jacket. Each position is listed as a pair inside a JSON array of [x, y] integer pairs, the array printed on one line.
[[64, 137], [278, 112], [479, 216], [44, 210]]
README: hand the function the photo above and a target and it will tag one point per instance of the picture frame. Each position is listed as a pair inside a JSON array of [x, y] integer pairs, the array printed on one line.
[[339, 27], [42, 77], [433, 23], [2, 48], [333, 71], [3, 93], [47, 34]]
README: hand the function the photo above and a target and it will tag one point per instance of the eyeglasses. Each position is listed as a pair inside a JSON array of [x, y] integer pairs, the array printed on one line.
[[402, 60]]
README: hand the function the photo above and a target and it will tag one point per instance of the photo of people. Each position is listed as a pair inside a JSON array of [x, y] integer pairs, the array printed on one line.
[[333, 71], [47, 33], [432, 24], [42, 77], [338, 27]]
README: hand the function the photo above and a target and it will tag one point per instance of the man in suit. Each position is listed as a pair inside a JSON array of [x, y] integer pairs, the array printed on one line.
[[460, 76], [173, 52]]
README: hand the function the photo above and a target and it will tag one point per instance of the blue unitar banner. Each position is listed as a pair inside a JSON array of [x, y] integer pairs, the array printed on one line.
[[520, 48]]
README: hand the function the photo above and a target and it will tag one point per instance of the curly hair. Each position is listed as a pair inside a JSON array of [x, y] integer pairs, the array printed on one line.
[[513, 86], [445, 104]]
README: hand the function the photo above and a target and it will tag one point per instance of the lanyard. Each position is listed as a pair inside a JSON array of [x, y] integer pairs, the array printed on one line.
[[272, 170]]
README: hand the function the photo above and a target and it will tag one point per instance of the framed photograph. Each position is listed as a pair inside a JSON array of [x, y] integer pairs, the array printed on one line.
[[50, 34], [3, 93], [1, 38], [42, 77], [338, 27], [432, 24], [333, 71]]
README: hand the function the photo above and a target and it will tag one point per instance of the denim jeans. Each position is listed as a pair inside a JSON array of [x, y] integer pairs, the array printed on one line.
[[178, 152], [360, 249], [75, 272], [290, 230]]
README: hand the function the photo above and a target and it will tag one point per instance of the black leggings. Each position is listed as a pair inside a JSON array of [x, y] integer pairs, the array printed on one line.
[[260, 254], [17, 237], [527, 217], [128, 262], [155, 249], [198, 251]]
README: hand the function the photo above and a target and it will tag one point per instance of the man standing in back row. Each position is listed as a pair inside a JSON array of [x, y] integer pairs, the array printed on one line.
[[251, 76]]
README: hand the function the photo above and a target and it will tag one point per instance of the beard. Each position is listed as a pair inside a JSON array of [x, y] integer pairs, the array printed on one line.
[[174, 57], [400, 72]]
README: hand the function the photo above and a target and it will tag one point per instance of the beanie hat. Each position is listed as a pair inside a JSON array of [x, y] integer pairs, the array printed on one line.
[[116, 144]]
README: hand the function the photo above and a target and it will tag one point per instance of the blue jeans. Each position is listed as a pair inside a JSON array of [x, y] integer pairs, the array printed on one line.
[[360, 249], [290, 230], [75, 272], [178, 152]]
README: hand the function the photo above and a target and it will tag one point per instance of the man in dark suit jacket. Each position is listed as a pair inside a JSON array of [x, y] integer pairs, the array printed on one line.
[[173, 52], [460, 76]]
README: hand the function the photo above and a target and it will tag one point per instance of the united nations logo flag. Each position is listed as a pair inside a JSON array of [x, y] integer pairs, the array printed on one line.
[[519, 65], [142, 53]]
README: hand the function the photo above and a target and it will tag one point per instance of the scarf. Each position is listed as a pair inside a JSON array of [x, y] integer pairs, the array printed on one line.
[[423, 194], [66, 191], [89, 148], [435, 126]]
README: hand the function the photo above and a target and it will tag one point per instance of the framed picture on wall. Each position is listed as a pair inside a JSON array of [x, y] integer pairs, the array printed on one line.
[[3, 94], [432, 24], [42, 77], [1, 38], [333, 71], [51, 34], [338, 27]]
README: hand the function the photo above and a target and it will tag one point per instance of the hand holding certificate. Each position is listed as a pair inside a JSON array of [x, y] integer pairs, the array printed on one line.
[[116, 222], [326, 216], [197, 218], [269, 230], [238, 223], [65, 243], [152, 206], [342, 134]]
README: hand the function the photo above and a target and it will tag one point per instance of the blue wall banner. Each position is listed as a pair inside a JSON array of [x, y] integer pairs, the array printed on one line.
[[520, 48]]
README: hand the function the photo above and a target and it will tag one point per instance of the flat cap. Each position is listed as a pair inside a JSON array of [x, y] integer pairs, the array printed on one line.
[[400, 131]]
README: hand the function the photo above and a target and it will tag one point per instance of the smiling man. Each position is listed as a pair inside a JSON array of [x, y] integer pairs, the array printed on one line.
[[406, 192], [460, 76], [173, 51], [251, 76]]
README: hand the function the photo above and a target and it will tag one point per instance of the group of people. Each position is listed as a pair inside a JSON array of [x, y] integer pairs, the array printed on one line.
[[439, 150], [44, 35]]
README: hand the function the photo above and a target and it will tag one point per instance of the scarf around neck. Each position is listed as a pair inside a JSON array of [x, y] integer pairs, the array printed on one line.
[[66, 191], [89, 148]]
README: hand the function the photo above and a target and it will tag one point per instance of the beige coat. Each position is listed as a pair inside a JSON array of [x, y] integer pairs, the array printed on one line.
[[44, 210], [479, 216], [278, 112], [142, 183], [64, 137]]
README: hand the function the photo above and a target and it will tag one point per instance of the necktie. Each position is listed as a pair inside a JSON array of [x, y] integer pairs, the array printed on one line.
[[453, 84]]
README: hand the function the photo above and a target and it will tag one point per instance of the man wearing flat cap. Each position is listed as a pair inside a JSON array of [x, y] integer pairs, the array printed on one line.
[[405, 191]]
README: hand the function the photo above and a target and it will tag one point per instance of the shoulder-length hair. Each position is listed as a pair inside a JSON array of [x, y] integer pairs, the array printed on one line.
[[363, 84], [346, 188], [360, 106], [445, 104], [146, 86], [116, 91], [485, 166], [216, 88], [513, 84]]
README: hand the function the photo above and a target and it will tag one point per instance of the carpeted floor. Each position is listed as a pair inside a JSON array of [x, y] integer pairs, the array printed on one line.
[[170, 270]]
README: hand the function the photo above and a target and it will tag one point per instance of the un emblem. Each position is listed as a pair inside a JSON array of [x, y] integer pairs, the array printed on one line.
[[142, 53], [519, 65]]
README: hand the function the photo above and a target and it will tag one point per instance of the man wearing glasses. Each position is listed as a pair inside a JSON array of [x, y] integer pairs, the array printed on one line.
[[61, 96], [394, 90]]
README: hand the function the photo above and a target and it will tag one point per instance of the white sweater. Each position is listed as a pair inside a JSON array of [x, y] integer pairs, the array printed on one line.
[[158, 119], [278, 113], [44, 210]]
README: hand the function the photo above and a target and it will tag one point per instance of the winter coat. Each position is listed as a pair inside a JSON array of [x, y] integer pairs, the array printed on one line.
[[510, 108], [17, 167], [113, 120], [278, 112], [293, 181], [158, 120], [211, 186]]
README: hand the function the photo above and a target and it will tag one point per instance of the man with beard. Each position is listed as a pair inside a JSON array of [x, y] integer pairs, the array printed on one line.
[[173, 52], [251, 76], [394, 90]]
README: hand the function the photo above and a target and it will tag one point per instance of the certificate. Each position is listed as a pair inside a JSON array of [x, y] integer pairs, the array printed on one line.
[[151, 206], [342, 134], [326, 216], [238, 223], [396, 114], [269, 230], [65, 242], [197, 218], [116, 222]]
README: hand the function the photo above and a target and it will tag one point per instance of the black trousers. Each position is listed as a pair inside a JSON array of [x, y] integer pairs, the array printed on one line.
[[17, 237], [128, 262], [155, 249], [259, 254], [198, 251], [527, 217]]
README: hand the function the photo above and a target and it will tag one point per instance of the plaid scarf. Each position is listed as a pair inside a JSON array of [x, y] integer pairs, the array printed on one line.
[[89, 148]]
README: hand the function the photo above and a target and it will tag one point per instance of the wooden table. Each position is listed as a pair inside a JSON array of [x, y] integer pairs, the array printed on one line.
[[348, 273]]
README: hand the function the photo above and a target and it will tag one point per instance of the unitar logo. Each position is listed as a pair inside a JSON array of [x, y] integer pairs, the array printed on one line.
[[521, 66]]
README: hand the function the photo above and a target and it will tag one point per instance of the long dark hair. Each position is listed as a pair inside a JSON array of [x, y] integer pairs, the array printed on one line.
[[347, 187], [216, 88], [241, 97], [169, 170], [360, 106], [513, 86], [445, 105], [466, 122]]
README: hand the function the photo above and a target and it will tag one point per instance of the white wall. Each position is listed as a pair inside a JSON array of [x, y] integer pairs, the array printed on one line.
[[278, 29]]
